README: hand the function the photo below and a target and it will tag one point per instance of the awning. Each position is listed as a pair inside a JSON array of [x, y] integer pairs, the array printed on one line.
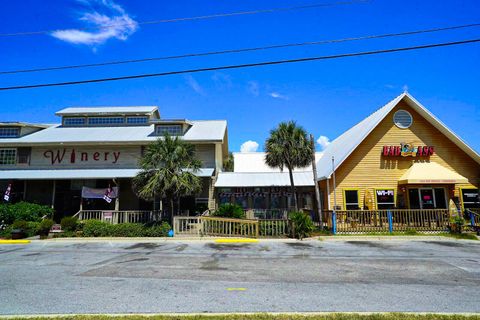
[[50, 174], [431, 173], [263, 179]]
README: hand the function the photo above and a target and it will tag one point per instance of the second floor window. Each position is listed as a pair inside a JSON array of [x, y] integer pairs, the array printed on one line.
[[137, 120], [6, 132], [173, 130], [73, 121], [106, 120], [8, 157]]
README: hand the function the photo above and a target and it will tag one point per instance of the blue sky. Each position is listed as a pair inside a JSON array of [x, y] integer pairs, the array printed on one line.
[[326, 97]]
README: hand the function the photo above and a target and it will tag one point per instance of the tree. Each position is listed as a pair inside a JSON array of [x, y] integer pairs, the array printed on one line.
[[168, 168], [228, 163], [288, 147]]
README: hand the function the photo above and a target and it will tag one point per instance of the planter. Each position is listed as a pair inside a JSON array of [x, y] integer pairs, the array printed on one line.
[[18, 234]]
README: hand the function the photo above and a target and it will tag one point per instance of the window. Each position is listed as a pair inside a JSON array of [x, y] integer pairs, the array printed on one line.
[[402, 119], [73, 121], [351, 199], [385, 199], [106, 120], [470, 198], [9, 132], [137, 120], [173, 130], [23, 155], [8, 156]]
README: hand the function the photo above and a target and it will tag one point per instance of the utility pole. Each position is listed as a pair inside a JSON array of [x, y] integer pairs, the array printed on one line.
[[315, 182]]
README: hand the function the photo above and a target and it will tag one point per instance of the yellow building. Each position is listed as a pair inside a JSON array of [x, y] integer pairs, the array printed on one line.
[[401, 156]]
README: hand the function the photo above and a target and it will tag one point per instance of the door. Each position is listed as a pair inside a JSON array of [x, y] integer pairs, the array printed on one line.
[[427, 200]]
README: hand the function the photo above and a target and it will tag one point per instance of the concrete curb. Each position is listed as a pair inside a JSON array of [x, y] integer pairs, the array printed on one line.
[[216, 314], [238, 240]]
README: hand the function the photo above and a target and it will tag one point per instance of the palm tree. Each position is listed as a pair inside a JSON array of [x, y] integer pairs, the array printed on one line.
[[168, 168], [228, 163], [288, 147]]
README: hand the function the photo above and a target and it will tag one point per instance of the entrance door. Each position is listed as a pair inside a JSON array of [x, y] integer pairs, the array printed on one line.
[[427, 200]]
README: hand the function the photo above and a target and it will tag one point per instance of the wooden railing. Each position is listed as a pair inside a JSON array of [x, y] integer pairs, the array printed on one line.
[[213, 226], [365, 221], [115, 217], [274, 228]]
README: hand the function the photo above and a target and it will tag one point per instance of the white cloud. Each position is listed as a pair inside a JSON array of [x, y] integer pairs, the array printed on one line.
[[323, 142], [253, 88], [249, 146], [405, 88], [277, 95], [194, 85], [222, 80], [100, 27]]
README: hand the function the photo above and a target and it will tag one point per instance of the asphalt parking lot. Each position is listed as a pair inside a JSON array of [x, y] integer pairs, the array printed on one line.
[[47, 277]]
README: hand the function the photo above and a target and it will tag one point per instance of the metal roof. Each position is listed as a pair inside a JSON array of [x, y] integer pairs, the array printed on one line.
[[52, 174], [107, 110], [346, 143], [208, 130], [263, 179]]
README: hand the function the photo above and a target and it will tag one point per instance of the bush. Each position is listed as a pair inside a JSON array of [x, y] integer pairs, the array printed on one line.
[[23, 211], [126, 230], [229, 210], [69, 223], [158, 230], [95, 228], [45, 227], [302, 225], [456, 224], [30, 228]]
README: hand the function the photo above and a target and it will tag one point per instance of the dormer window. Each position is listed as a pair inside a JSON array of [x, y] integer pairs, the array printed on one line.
[[70, 121], [171, 129], [106, 120], [9, 132], [137, 120]]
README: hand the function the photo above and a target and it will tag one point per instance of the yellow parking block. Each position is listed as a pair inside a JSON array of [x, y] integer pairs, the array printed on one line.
[[236, 289], [14, 241], [236, 240]]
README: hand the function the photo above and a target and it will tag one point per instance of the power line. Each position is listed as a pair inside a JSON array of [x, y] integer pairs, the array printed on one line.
[[204, 17], [208, 53], [239, 66]]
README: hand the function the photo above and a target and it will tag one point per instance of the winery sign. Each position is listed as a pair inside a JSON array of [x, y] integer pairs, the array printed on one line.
[[72, 156], [408, 150]]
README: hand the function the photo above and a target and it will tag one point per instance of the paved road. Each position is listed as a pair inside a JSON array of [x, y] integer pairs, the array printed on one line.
[[171, 276]]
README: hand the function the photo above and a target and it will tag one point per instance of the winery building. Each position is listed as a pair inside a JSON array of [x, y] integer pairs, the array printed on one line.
[[70, 165]]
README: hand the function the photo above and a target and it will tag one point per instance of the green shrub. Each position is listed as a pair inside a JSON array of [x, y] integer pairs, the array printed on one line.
[[229, 210], [126, 230], [456, 224], [158, 230], [45, 227], [302, 225], [95, 228], [23, 211], [69, 223], [30, 228]]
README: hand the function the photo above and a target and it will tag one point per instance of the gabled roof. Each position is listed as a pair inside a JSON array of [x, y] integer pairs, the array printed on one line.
[[346, 143], [146, 110]]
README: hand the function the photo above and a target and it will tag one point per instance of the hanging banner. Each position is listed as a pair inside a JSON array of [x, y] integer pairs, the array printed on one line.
[[94, 193], [6, 196]]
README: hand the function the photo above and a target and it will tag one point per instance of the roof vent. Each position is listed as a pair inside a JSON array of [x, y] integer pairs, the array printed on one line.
[[402, 119]]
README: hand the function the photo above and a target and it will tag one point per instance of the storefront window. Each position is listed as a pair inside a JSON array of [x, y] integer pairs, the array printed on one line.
[[385, 199], [275, 201], [224, 196], [440, 200], [242, 201], [470, 198], [351, 199]]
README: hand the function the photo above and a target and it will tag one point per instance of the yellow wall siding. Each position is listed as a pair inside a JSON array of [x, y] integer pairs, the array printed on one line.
[[366, 168]]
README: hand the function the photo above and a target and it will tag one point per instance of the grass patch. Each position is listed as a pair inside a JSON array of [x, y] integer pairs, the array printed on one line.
[[264, 316], [462, 236]]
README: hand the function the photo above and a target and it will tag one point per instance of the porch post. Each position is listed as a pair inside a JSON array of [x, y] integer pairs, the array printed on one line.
[[24, 190], [53, 192], [117, 199]]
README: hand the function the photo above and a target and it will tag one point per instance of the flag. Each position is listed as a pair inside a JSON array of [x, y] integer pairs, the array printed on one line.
[[107, 194], [6, 196]]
